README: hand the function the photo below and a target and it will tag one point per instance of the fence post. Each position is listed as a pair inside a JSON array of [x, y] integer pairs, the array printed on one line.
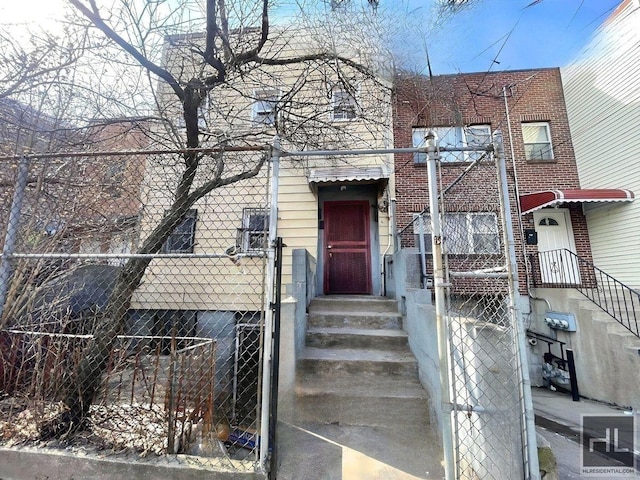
[[12, 231], [531, 448], [267, 346], [442, 327]]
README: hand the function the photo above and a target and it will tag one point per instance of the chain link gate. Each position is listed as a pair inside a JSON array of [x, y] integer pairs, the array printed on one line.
[[490, 431], [181, 372]]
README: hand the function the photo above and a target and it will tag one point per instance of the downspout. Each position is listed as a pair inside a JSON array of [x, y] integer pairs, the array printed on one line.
[[517, 194], [391, 220]]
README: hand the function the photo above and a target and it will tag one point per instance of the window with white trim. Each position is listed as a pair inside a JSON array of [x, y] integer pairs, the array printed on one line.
[[263, 110], [182, 238], [454, 137], [343, 105], [463, 233], [255, 230], [537, 141]]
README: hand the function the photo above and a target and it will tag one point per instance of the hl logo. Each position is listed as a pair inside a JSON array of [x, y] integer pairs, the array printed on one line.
[[608, 444]]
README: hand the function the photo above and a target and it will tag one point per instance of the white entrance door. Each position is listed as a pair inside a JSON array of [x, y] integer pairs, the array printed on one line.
[[553, 227]]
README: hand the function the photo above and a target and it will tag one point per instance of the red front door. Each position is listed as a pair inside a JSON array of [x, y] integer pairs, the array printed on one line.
[[347, 264]]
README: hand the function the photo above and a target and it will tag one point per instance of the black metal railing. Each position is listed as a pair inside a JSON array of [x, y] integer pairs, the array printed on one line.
[[564, 269]]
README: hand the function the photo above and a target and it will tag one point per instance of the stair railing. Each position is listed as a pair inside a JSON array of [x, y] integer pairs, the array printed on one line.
[[564, 269]]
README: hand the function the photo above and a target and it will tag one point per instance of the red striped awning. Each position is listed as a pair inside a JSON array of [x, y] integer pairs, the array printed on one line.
[[551, 198]]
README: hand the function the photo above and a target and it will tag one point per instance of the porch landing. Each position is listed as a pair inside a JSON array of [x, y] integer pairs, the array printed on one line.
[[360, 410]]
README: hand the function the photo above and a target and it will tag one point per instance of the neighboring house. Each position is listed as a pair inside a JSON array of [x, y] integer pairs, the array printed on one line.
[[72, 204], [464, 110], [602, 91], [111, 210], [552, 244]]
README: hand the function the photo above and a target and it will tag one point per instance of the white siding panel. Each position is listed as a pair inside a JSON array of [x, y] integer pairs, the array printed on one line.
[[602, 91]]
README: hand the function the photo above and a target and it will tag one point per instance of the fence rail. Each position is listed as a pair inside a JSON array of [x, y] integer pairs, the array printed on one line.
[[564, 269]]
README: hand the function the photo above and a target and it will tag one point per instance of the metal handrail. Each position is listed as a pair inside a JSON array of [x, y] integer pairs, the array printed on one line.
[[564, 269]]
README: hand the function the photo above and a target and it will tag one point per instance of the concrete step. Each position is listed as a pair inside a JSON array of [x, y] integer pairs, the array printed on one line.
[[323, 361], [373, 411], [348, 385], [329, 337], [354, 319], [353, 303]]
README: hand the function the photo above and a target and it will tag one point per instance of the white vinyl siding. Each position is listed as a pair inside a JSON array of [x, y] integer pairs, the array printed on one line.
[[602, 93]]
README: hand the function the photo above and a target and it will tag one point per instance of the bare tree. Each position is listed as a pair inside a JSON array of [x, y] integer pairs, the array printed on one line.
[[191, 73]]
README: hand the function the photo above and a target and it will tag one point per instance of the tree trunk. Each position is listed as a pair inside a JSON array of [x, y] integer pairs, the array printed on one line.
[[83, 387]]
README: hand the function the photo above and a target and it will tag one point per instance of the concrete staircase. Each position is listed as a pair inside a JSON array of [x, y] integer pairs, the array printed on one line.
[[360, 411]]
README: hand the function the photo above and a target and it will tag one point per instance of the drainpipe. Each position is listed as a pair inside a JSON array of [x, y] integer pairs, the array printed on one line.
[[442, 327], [531, 448], [391, 220], [517, 194]]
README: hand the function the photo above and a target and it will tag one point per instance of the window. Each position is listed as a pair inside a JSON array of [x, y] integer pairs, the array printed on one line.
[[182, 238], [548, 222], [255, 227], [537, 141], [343, 105], [454, 137], [463, 232], [263, 111]]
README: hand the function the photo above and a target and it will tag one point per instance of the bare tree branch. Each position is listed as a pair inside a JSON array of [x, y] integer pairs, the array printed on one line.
[[96, 19]]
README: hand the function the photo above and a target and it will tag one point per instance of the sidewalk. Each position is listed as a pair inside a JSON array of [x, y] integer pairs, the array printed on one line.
[[556, 410]]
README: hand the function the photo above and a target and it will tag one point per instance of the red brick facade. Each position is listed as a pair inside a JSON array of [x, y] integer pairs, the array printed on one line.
[[479, 99]]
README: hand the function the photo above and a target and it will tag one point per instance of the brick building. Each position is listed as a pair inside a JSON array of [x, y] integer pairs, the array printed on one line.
[[528, 107]]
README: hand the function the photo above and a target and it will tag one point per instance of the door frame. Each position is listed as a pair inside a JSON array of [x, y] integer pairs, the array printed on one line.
[[325, 246]]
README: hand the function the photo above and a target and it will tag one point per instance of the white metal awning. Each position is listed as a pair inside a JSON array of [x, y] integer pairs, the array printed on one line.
[[349, 174]]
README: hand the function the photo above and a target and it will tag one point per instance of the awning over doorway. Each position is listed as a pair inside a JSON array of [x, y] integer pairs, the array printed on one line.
[[349, 174], [550, 198]]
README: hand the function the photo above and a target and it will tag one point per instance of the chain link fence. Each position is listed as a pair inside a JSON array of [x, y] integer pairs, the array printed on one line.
[[133, 323], [485, 377]]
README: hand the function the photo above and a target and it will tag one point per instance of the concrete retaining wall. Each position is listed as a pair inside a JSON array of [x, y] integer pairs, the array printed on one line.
[[607, 355]]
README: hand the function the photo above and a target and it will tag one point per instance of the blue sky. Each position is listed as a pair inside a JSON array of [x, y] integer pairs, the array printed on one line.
[[548, 33]]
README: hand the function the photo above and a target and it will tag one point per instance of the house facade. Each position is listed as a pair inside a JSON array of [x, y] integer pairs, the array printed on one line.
[[333, 206], [603, 101]]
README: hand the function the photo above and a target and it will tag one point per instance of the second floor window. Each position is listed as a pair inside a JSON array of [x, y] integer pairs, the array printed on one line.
[[454, 137], [182, 238], [537, 141], [263, 110], [343, 104]]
